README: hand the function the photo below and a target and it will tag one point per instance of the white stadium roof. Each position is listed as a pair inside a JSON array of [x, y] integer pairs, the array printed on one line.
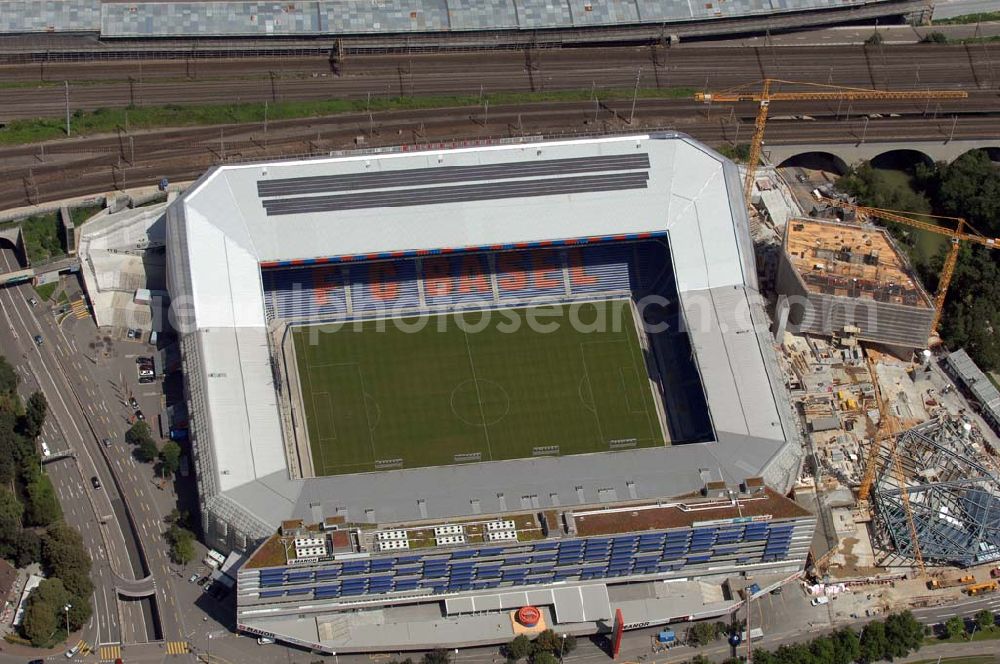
[[401, 203]]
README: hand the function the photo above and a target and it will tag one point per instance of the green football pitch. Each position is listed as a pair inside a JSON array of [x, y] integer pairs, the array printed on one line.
[[394, 393]]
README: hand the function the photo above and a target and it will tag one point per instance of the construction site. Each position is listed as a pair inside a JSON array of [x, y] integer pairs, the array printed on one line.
[[900, 433]]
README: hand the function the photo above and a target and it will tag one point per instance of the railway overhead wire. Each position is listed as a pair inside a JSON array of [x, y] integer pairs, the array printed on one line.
[[37, 89], [29, 174]]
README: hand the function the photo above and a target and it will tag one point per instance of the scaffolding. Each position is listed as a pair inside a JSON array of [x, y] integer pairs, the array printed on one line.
[[952, 487]]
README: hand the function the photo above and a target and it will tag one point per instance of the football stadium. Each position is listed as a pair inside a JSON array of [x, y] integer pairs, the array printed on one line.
[[455, 381]]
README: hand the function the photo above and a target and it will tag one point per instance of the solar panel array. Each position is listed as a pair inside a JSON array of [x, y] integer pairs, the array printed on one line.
[[463, 281], [453, 184], [506, 565]]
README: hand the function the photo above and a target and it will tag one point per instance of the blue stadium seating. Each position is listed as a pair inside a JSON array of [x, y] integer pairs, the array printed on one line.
[[464, 281]]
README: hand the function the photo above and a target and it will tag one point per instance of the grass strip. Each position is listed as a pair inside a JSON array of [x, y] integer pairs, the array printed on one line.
[[106, 120]]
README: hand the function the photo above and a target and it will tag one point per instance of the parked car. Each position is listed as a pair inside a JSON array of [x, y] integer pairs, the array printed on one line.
[[38, 340], [203, 580], [145, 380], [193, 578], [96, 482], [107, 442], [46, 452], [130, 333], [32, 301], [133, 403], [263, 641], [139, 416]]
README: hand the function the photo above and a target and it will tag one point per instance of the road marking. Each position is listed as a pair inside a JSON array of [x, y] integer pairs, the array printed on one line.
[[110, 653], [178, 648]]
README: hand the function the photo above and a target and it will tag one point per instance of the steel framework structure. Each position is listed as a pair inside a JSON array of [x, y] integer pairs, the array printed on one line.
[[952, 488]]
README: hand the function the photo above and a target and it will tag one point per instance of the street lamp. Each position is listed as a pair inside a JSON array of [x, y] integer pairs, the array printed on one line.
[[562, 645], [209, 649], [66, 609]]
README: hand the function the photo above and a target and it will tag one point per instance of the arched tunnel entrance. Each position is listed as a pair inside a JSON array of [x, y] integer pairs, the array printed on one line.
[[816, 161], [901, 160]]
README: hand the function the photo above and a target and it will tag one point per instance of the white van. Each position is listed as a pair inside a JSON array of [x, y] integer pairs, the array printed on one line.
[[820, 601], [45, 450]]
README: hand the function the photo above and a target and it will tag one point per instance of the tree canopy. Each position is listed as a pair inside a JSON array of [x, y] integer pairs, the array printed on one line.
[[170, 457], [969, 188]]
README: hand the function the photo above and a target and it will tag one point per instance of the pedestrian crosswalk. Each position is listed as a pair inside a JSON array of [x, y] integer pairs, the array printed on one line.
[[110, 653], [83, 648], [178, 648], [79, 308]]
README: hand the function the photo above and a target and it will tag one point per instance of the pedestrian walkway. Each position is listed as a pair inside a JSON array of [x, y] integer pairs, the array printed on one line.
[[79, 308], [110, 653], [178, 648]]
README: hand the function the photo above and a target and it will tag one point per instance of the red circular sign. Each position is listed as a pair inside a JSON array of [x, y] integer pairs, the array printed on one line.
[[528, 616]]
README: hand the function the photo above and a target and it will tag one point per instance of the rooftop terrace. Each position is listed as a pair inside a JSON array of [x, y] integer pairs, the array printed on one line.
[[717, 503]]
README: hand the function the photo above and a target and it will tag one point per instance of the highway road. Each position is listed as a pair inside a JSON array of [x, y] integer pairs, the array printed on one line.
[[84, 408]]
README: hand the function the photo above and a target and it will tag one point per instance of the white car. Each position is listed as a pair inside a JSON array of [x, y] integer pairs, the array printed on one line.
[[45, 450], [72, 652], [263, 641]]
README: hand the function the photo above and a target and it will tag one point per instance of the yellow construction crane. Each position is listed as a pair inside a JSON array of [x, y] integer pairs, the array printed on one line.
[[886, 434], [962, 232], [815, 92]]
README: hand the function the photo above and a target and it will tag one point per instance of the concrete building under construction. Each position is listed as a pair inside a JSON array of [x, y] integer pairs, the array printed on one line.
[[837, 278], [938, 484]]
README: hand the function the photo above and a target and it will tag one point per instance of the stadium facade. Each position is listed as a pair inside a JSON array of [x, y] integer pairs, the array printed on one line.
[[146, 19], [527, 209]]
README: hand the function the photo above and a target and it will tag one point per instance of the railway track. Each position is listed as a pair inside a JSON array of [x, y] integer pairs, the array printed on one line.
[[37, 90], [99, 164]]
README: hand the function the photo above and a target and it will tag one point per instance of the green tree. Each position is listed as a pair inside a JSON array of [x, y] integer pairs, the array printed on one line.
[[847, 646], [181, 544], [44, 611], [935, 38], [63, 552], [34, 415], [549, 641], [544, 657], [10, 512], [954, 627], [904, 633], [146, 451], [823, 650], [137, 433], [77, 582], [79, 612], [8, 377], [170, 457], [969, 187], [875, 188], [985, 619], [873, 642], [438, 656], [517, 648], [42, 505], [27, 548], [702, 633]]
